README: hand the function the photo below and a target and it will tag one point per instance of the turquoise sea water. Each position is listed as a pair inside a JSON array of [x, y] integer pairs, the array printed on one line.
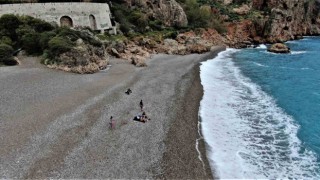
[[261, 112]]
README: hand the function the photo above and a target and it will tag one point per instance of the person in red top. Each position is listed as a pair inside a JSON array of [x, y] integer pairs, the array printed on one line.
[[112, 123]]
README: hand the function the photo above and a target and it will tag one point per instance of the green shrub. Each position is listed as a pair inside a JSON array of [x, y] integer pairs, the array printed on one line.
[[125, 27], [197, 17], [139, 19], [23, 30], [59, 45], [6, 57], [87, 37], [8, 24], [218, 25], [30, 43], [66, 32], [37, 24], [6, 40], [94, 42], [45, 37], [156, 25], [171, 34], [108, 37], [241, 1], [74, 35]]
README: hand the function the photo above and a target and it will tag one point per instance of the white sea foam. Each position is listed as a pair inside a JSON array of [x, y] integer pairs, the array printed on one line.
[[304, 68], [248, 135], [291, 42], [298, 52], [261, 65], [262, 46]]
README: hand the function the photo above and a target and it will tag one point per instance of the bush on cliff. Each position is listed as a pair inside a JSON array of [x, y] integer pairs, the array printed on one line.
[[74, 35], [6, 40], [197, 17], [8, 25], [30, 43], [6, 57], [59, 45], [200, 16], [139, 19], [68, 33], [37, 24], [132, 19], [45, 37]]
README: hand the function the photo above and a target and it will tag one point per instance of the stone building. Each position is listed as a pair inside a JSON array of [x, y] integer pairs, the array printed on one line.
[[93, 15]]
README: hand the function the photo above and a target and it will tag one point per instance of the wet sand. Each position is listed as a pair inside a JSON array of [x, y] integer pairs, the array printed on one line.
[[56, 125]]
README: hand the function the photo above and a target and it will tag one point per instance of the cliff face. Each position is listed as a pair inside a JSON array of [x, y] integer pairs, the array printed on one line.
[[168, 11], [279, 20], [288, 19]]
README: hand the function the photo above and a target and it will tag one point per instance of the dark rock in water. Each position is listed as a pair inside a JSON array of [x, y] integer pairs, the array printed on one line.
[[298, 37], [279, 48]]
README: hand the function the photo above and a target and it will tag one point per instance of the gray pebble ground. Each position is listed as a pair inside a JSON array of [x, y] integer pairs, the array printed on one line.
[[55, 124]]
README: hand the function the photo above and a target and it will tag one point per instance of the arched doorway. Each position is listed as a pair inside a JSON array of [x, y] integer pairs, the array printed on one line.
[[93, 22], [66, 21]]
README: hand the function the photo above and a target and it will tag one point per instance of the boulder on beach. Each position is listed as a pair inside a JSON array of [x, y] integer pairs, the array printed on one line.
[[279, 48]]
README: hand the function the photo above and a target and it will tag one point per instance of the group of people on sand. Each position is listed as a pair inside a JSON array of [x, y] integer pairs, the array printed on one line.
[[142, 118]]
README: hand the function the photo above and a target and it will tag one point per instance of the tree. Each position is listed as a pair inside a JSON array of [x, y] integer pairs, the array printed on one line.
[[197, 16], [30, 43], [10, 23]]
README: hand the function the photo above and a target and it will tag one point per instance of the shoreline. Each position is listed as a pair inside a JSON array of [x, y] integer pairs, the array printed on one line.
[[181, 159]]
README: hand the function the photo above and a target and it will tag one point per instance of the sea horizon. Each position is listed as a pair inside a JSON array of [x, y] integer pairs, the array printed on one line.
[[253, 120]]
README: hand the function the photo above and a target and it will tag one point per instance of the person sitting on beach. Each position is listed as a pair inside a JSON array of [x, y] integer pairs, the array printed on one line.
[[128, 91], [112, 123], [139, 118], [141, 105], [144, 116]]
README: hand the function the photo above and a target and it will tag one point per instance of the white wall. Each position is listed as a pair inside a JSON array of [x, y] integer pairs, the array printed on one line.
[[52, 12]]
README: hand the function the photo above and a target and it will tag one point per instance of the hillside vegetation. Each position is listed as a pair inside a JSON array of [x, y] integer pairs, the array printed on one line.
[[145, 26], [37, 37]]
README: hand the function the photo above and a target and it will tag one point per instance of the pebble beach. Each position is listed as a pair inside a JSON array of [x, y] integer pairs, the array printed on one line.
[[55, 124]]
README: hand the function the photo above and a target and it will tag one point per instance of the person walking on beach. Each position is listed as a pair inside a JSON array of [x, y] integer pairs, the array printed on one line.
[[141, 105], [112, 123]]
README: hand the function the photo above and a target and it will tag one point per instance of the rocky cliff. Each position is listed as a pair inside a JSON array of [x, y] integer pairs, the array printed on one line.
[[259, 21], [278, 21], [290, 18], [168, 11]]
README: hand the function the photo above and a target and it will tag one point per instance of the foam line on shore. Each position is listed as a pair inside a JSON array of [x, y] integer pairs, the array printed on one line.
[[197, 144], [249, 133]]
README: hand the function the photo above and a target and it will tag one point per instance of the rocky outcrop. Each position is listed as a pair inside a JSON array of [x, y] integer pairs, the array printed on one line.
[[288, 19], [279, 48], [82, 59], [227, 2], [191, 42], [138, 50], [277, 21], [242, 10], [241, 34], [168, 11]]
